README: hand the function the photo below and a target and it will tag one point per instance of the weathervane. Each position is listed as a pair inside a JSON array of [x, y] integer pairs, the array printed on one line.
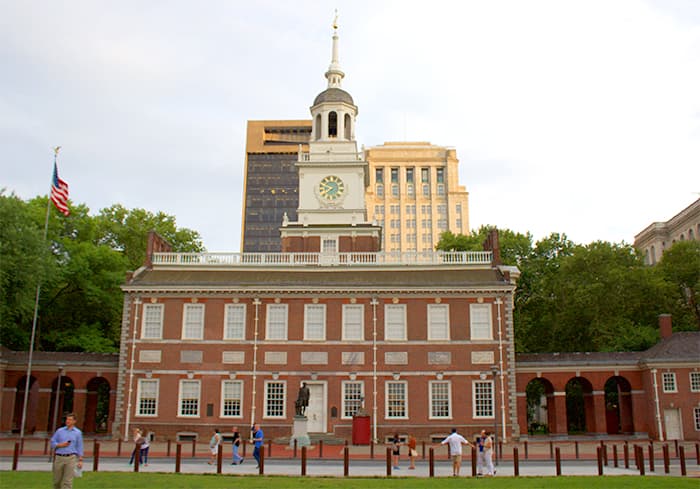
[[335, 20]]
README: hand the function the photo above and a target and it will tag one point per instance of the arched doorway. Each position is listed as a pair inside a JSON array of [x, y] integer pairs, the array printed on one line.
[[32, 403], [618, 406], [63, 393], [97, 406], [541, 409], [579, 405]]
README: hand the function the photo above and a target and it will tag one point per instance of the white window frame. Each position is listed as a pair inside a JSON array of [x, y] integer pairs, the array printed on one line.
[[438, 327], [694, 379], [149, 324], [225, 398], [431, 410], [188, 326], [388, 399], [395, 322], [284, 323], [281, 404], [477, 328], [235, 321], [476, 407], [314, 322], [349, 324], [668, 382], [181, 398], [139, 397], [346, 400]]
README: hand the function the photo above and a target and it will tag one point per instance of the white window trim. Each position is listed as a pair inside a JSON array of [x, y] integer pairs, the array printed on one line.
[[284, 399], [199, 399], [184, 321], [322, 307], [342, 391], [386, 399], [690, 379], [285, 307], [663, 383], [138, 398], [143, 322], [696, 416], [449, 399], [226, 317], [493, 399], [221, 406], [387, 308], [438, 307], [472, 309], [361, 307]]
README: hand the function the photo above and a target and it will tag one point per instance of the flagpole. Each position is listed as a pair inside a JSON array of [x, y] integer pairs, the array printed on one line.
[[36, 313]]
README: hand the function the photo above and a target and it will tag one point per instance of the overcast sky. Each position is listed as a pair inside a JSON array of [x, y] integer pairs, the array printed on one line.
[[581, 117]]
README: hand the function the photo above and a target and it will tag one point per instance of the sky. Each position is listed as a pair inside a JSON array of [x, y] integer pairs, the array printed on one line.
[[576, 117]]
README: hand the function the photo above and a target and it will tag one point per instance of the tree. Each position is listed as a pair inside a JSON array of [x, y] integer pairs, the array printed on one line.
[[680, 266], [514, 246]]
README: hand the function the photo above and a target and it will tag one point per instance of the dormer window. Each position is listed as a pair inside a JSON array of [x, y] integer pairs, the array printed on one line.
[[333, 125]]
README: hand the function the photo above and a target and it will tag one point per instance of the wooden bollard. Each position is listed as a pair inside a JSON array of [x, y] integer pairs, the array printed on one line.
[[667, 462], [295, 448], [194, 447], [640, 451], [675, 442], [388, 462], [431, 462], [558, 461], [169, 442], [525, 449], [219, 458], [681, 451], [449, 454], [303, 460], [15, 456], [551, 450], [261, 470], [651, 458], [320, 448], [423, 444], [119, 447], [626, 453], [500, 451], [46, 446], [576, 449], [599, 455], [371, 450], [697, 453], [178, 457], [96, 457], [346, 461], [137, 457], [604, 449], [474, 454], [269, 448], [21, 446], [516, 462], [615, 456]]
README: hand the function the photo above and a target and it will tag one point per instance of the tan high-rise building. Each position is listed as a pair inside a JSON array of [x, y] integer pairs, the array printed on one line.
[[414, 194]]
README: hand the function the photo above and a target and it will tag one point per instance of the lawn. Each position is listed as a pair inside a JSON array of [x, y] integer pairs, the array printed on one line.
[[119, 480]]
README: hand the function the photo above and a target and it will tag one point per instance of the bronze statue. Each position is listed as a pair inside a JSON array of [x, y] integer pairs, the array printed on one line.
[[302, 401]]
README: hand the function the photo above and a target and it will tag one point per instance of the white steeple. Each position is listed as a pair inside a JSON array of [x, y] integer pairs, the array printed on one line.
[[335, 74]]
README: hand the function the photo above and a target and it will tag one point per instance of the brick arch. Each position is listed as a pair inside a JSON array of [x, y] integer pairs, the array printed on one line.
[[97, 406], [64, 394], [580, 411], [542, 412], [30, 423], [618, 406]]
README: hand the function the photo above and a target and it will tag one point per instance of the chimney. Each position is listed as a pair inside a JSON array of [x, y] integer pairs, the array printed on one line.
[[665, 326], [491, 244]]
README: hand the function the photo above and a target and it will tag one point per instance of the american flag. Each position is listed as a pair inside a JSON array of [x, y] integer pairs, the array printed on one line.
[[59, 192]]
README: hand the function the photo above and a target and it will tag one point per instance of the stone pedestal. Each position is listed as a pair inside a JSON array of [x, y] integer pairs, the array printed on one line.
[[299, 432]]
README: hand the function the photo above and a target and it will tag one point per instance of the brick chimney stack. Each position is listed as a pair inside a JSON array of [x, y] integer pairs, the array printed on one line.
[[665, 326]]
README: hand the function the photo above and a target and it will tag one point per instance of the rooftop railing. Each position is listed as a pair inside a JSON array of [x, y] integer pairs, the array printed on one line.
[[324, 259]]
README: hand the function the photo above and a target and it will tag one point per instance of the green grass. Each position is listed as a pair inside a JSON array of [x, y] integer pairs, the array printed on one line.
[[119, 480]]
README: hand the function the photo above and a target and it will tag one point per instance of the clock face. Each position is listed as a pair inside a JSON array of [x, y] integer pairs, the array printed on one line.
[[331, 187]]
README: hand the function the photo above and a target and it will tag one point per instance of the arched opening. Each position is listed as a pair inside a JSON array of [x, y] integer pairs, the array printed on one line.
[[579, 405], [541, 410], [97, 406], [63, 394], [318, 131], [348, 127], [332, 125], [32, 404], [618, 406]]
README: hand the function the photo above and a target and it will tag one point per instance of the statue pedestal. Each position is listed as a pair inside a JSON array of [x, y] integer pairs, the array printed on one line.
[[299, 432]]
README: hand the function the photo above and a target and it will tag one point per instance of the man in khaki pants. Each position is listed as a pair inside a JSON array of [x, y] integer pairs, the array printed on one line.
[[67, 444]]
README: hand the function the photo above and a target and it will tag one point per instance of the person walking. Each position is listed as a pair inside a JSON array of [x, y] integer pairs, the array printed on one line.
[[144, 447], [258, 437], [412, 453], [214, 443], [488, 456], [455, 442], [140, 445], [236, 444], [395, 451], [67, 443], [480, 461]]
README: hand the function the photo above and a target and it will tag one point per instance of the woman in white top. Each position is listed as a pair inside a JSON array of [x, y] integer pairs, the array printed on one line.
[[214, 446], [488, 455]]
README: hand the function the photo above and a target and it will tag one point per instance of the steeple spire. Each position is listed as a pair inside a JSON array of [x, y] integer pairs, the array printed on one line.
[[335, 74]]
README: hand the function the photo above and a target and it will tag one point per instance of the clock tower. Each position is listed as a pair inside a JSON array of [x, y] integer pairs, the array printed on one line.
[[332, 177]]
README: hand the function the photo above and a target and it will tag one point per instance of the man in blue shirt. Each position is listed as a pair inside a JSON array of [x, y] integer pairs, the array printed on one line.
[[67, 444], [258, 440]]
